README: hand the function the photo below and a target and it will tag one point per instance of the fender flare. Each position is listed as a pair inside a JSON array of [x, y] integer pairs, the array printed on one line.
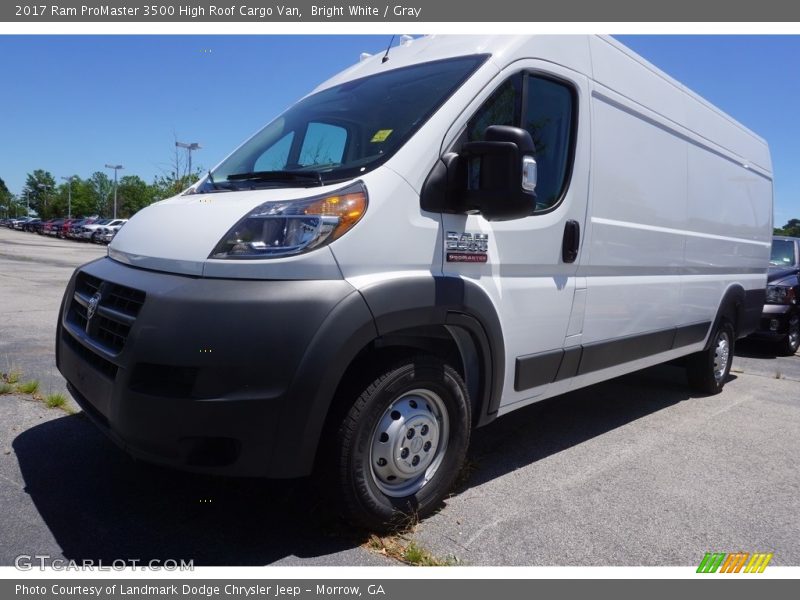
[[361, 318]]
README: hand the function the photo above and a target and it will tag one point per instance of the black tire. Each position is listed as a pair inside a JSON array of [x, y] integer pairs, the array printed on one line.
[[401, 445], [94, 237], [789, 345], [708, 370]]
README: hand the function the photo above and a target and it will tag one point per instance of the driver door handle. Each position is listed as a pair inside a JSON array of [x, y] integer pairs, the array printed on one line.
[[571, 241]]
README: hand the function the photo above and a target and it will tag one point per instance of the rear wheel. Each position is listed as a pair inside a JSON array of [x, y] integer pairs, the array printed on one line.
[[402, 444], [709, 370], [791, 342]]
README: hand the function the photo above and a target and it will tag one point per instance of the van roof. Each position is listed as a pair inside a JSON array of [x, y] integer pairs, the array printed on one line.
[[572, 51]]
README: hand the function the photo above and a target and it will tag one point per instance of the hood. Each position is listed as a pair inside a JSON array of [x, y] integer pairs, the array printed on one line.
[[775, 274], [177, 235]]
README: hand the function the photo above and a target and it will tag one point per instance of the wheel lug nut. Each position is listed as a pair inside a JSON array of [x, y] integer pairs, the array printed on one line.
[[415, 461], [404, 453], [424, 430], [381, 462], [410, 433], [427, 446]]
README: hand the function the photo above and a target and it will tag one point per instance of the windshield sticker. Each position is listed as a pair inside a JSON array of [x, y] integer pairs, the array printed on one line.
[[381, 135]]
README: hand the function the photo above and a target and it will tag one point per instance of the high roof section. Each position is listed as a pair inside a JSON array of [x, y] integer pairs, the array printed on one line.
[[611, 64]]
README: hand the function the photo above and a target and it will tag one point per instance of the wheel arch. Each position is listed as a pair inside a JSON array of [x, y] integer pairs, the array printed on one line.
[[446, 317], [731, 307]]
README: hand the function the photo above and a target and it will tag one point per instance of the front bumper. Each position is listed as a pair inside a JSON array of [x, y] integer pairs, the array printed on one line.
[[212, 375], [774, 323]]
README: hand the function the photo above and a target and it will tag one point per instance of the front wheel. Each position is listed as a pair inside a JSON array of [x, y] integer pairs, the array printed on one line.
[[402, 443], [791, 342], [709, 370]]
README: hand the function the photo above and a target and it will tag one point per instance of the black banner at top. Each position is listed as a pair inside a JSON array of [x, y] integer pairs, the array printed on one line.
[[436, 11]]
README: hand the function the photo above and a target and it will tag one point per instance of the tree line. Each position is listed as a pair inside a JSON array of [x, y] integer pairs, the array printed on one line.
[[90, 196], [792, 228]]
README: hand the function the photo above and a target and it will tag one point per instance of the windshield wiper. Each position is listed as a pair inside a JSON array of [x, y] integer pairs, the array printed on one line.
[[314, 176]]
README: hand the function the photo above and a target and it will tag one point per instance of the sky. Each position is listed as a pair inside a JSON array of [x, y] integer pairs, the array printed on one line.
[[71, 104]]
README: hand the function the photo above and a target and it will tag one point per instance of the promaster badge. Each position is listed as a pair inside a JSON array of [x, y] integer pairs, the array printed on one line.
[[466, 247]]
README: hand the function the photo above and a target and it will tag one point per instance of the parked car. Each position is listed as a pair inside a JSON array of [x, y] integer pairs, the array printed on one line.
[[109, 231], [53, 227], [72, 227], [32, 224], [104, 234], [42, 225], [780, 321], [19, 222], [93, 231], [87, 229], [66, 226]]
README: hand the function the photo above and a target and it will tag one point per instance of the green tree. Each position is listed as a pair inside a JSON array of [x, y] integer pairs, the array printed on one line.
[[133, 194], [6, 199], [98, 192], [83, 198], [792, 228], [40, 187], [166, 186]]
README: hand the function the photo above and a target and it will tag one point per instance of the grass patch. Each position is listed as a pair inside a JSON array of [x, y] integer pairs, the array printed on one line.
[[6, 388], [12, 376], [408, 552], [29, 387], [56, 401]]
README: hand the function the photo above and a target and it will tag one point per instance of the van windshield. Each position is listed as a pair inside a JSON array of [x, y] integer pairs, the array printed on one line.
[[343, 131]]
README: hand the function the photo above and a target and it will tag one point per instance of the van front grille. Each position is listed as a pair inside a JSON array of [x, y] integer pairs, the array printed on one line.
[[114, 307]]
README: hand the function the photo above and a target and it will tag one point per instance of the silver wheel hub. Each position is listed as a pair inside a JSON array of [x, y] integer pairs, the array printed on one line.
[[721, 355], [409, 442], [794, 331]]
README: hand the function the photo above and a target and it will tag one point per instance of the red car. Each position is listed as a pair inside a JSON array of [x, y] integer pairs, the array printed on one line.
[[52, 226], [71, 227]]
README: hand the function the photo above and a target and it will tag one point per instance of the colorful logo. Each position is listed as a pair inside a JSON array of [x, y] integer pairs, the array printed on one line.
[[739, 562]]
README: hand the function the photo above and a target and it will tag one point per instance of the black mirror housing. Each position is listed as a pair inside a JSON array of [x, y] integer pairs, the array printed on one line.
[[485, 177], [494, 174]]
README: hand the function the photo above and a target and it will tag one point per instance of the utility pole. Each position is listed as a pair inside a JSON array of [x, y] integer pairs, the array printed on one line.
[[69, 181], [189, 147], [116, 168]]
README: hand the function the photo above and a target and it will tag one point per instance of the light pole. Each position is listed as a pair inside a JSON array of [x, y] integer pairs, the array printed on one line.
[[189, 147], [45, 187], [116, 168], [69, 181]]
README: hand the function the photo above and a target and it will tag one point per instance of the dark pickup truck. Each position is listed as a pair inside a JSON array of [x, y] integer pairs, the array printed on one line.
[[780, 321]]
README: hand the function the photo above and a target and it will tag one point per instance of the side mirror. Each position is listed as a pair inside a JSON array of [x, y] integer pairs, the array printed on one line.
[[501, 174], [495, 177]]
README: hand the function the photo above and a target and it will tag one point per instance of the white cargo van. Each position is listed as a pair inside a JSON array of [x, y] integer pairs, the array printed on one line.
[[421, 245]]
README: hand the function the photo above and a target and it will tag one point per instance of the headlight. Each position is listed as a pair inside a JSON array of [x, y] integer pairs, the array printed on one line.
[[295, 226], [779, 294]]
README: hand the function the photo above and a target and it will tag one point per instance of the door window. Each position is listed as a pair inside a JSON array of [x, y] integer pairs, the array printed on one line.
[[548, 117], [545, 107]]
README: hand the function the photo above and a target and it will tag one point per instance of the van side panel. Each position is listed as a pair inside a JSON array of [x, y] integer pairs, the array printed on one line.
[[637, 206], [679, 218], [732, 206]]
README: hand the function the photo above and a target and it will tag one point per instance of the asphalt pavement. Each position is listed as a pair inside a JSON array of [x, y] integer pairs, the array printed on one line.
[[635, 471]]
